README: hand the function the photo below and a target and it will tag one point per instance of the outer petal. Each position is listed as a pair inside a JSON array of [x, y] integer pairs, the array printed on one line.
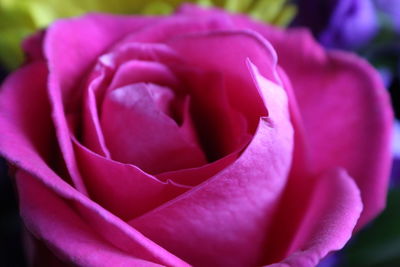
[[94, 31], [26, 130], [345, 109], [123, 189], [26, 140], [325, 210], [66, 69], [56, 222]]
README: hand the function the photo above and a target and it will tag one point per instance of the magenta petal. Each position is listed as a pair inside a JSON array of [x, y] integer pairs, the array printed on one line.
[[37, 253], [226, 123], [321, 213], [214, 52], [33, 47], [138, 132], [26, 129], [174, 26], [26, 141], [220, 128], [109, 74], [106, 225], [92, 135], [346, 92], [74, 35], [137, 71], [195, 176], [73, 239], [66, 69], [245, 193], [18, 145], [123, 189], [338, 87]]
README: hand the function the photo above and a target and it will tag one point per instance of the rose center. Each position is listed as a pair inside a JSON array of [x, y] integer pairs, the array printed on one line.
[[161, 115]]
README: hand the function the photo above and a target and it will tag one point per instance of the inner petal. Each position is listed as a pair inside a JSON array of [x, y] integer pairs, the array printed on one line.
[[220, 127], [136, 71], [95, 87], [138, 130], [119, 68]]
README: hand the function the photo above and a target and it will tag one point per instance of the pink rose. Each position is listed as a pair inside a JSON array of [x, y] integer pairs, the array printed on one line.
[[201, 138]]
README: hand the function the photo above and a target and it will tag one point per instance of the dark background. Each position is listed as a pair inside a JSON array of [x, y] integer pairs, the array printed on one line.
[[11, 252]]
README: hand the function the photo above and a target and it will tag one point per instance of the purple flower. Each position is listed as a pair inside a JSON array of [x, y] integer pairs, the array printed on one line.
[[345, 24], [395, 179], [330, 261]]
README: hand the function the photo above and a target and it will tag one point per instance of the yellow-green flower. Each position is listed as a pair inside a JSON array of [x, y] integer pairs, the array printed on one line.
[[19, 18]]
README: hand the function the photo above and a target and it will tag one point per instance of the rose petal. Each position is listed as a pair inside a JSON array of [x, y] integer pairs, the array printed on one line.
[[318, 216], [203, 50], [37, 253], [66, 69], [137, 132], [92, 135], [26, 140], [349, 93], [340, 87], [174, 25], [33, 47], [95, 29], [70, 236], [230, 126], [136, 71], [231, 123], [224, 120], [100, 31], [226, 123], [26, 128], [345, 90], [302, 163], [220, 127], [237, 202], [195, 176], [123, 189], [110, 73]]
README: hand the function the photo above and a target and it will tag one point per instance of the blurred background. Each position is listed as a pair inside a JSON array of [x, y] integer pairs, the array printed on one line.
[[370, 28]]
